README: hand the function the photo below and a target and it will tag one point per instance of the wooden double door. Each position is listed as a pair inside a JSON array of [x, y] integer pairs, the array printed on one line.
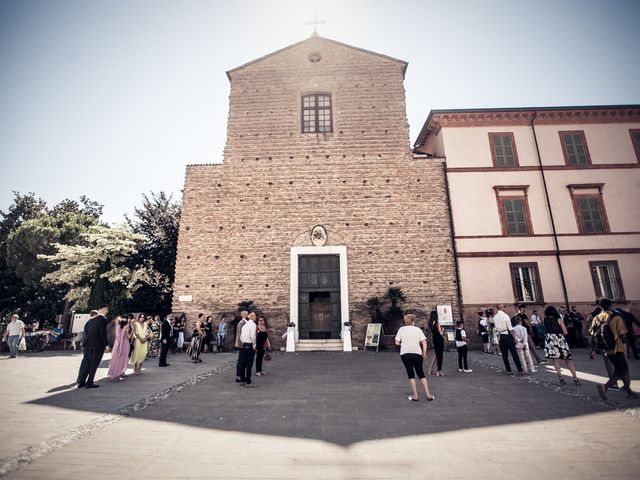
[[319, 296]]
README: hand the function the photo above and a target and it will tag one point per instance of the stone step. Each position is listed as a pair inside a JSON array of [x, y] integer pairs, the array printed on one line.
[[318, 348], [320, 341], [319, 345]]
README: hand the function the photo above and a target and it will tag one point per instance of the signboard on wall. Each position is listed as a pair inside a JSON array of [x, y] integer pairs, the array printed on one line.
[[445, 315]]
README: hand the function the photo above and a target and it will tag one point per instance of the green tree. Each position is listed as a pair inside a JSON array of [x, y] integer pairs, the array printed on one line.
[[102, 264], [248, 305], [374, 304], [395, 295], [28, 229], [85, 206], [158, 219], [14, 294], [36, 237]]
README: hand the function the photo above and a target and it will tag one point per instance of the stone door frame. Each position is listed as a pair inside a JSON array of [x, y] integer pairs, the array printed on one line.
[[341, 251]]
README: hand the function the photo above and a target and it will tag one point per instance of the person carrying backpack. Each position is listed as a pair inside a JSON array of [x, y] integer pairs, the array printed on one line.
[[629, 320], [610, 335]]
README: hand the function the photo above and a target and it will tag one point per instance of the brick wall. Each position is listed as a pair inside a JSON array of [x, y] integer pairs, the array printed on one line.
[[240, 219]]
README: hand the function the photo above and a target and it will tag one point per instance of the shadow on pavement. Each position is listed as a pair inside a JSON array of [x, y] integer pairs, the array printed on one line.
[[343, 399]]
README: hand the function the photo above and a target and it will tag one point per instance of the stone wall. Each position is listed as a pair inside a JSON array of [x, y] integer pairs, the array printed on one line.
[[240, 219]]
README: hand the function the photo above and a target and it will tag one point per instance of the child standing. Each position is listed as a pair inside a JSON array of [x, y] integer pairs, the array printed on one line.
[[493, 333], [461, 346], [483, 331], [522, 346]]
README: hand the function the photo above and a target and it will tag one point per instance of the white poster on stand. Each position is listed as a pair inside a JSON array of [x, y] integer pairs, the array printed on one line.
[[445, 316], [79, 321]]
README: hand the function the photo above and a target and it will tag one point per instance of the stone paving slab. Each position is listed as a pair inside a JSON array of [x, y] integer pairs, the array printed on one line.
[[40, 400], [321, 415]]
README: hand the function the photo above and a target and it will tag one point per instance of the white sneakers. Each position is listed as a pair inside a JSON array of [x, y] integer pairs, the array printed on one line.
[[466, 370]]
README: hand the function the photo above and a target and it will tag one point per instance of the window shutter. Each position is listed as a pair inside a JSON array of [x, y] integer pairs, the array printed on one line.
[[596, 280], [574, 145], [503, 151], [515, 217], [590, 213]]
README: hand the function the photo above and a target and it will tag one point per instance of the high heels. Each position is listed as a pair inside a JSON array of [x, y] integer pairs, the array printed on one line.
[[562, 382], [577, 382]]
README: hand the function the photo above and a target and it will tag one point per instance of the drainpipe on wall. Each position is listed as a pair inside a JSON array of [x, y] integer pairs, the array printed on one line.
[[453, 241], [553, 223]]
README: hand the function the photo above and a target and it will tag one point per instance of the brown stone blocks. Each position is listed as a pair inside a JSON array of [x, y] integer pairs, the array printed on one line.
[[240, 219]]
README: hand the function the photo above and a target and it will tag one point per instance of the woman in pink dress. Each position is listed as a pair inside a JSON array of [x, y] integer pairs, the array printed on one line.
[[120, 353]]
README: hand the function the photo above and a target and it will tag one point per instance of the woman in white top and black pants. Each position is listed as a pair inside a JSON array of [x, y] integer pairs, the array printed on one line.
[[413, 351]]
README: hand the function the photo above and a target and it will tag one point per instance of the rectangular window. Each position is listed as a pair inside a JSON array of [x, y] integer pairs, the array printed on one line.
[[515, 216], [606, 280], [590, 214], [513, 209], [574, 147], [588, 205], [526, 282], [503, 149], [316, 114]]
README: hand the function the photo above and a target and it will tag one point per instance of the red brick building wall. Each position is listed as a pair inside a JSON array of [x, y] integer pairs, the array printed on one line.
[[361, 182]]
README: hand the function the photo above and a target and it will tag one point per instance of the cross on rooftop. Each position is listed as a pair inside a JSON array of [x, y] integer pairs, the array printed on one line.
[[315, 22]]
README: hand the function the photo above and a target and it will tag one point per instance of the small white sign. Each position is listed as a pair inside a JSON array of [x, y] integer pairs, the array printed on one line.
[[445, 316], [185, 298], [79, 320], [372, 337]]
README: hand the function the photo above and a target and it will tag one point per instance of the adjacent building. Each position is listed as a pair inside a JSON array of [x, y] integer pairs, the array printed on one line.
[[544, 203]]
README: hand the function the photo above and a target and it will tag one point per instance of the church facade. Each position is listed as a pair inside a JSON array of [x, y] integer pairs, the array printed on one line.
[[319, 203]]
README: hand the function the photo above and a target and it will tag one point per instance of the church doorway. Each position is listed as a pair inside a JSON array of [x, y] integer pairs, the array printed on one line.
[[317, 272], [319, 315], [319, 311]]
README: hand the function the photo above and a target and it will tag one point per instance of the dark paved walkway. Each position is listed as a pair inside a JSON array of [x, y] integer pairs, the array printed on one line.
[[335, 415]]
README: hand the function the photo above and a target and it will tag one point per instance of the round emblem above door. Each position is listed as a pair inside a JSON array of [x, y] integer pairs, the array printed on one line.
[[318, 235]]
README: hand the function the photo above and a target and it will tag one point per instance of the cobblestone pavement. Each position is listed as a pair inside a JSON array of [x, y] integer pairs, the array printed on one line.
[[314, 415]]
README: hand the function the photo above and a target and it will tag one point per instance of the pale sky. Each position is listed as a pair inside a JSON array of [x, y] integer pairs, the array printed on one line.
[[113, 98]]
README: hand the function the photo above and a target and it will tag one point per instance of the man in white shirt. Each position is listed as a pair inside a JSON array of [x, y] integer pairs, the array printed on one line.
[[13, 335], [502, 323], [247, 350]]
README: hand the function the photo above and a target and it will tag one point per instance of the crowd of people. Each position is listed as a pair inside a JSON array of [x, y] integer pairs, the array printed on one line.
[[21, 337], [133, 339], [609, 334]]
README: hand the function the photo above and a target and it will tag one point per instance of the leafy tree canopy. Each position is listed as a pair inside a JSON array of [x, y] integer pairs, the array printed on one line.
[[85, 206], [104, 253], [36, 237], [158, 219], [31, 298]]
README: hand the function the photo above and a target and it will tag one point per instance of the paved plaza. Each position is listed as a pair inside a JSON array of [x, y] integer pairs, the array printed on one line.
[[314, 415]]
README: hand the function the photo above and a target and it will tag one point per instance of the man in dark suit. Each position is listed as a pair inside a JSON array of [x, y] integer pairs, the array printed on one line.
[[166, 334], [94, 342]]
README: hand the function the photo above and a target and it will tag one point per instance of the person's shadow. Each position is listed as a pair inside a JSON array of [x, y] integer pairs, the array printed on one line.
[[62, 388]]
